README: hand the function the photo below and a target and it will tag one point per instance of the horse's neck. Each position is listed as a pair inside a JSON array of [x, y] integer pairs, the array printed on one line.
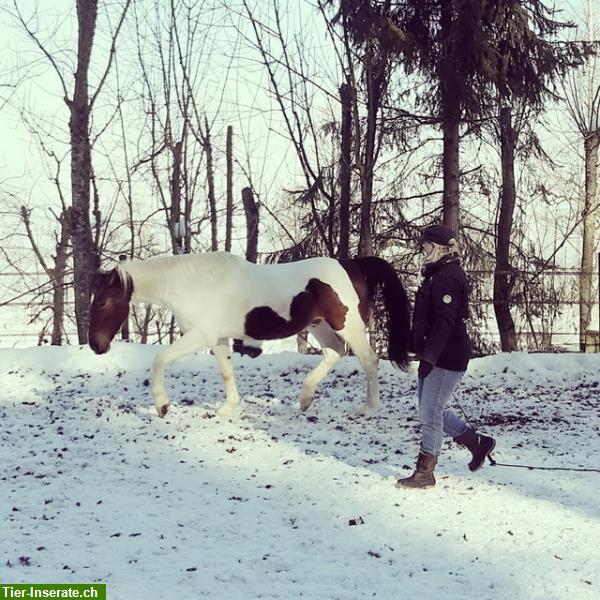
[[150, 284], [157, 281]]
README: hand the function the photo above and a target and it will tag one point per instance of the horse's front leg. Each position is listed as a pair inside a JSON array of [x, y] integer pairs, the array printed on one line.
[[183, 346], [232, 397]]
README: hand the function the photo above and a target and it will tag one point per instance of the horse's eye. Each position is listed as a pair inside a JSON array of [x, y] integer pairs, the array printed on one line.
[[101, 303]]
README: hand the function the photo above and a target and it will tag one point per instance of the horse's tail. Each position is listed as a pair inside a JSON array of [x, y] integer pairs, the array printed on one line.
[[378, 272]]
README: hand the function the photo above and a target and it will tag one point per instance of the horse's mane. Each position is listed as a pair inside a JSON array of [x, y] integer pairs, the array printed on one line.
[[167, 269]]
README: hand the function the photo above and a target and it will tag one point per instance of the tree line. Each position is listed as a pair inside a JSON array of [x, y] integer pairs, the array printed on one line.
[[394, 115]]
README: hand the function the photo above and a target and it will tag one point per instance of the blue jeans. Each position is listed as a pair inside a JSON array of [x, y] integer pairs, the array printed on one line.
[[434, 392]]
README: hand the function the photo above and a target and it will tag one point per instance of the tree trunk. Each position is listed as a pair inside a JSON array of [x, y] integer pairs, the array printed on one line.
[[451, 109], [125, 326], [58, 282], [172, 326], [58, 308], [503, 276], [97, 224], [212, 201], [373, 77], [451, 170], [145, 324], [187, 194], [229, 201], [85, 259], [346, 94], [177, 233], [252, 220], [590, 215]]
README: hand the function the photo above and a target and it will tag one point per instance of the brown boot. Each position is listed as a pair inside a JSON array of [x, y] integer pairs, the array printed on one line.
[[423, 475], [479, 445]]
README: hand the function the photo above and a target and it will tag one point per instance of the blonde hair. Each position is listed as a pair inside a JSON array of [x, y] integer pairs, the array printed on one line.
[[440, 250]]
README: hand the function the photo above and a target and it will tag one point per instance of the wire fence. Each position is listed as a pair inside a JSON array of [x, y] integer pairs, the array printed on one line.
[[544, 306]]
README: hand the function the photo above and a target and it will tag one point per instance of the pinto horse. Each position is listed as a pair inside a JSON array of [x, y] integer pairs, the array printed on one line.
[[217, 296]]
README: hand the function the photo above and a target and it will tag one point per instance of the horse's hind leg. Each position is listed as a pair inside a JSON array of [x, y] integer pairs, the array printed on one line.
[[359, 344], [232, 397], [333, 349]]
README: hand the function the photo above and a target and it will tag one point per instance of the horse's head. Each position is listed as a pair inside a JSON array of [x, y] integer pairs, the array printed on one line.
[[110, 307]]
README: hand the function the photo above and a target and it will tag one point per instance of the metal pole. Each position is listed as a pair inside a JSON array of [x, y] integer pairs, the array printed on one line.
[[125, 327]]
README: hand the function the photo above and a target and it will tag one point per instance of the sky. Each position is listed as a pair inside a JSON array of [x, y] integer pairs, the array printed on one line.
[[234, 86], [234, 90]]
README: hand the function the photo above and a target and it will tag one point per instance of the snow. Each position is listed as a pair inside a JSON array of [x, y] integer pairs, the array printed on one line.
[[95, 487]]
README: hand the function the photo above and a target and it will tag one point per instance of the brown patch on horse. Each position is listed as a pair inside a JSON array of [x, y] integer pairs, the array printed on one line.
[[318, 301], [365, 294], [109, 308], [331, 308]]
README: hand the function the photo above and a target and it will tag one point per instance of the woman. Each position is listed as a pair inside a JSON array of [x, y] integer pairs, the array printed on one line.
[[442, 344]]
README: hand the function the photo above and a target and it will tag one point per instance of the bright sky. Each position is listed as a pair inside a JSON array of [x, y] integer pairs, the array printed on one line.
[[233, 91]]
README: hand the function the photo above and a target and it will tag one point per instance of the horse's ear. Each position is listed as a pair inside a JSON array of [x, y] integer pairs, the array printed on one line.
[[113, 278], [98, 279]]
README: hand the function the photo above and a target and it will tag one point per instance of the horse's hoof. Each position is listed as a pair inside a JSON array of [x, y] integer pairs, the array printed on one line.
[[366, 411], [225, 410], [305, 404], [162, 410]]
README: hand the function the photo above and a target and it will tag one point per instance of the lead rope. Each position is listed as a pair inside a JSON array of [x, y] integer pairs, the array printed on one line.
[[494, 463]]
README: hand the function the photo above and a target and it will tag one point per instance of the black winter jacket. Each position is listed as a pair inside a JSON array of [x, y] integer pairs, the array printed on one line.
[[442, 304]]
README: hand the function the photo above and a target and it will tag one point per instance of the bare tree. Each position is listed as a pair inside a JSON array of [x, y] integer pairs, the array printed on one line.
[[80, 105], [210, 182], [583, 100], [290, 85], [252, 216], [346, 98], [229, 191], [57, 272], [178, 137]]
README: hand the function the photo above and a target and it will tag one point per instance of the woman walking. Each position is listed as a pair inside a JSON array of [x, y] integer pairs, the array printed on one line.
[[441, 342]]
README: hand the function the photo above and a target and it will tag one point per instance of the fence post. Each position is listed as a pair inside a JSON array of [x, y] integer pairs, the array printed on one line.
[[125, 327]]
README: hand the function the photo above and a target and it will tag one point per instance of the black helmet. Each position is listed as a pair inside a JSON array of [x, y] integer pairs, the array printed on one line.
[[439, 234]]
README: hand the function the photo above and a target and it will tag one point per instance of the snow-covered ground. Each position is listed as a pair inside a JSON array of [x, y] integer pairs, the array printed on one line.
[[95, 487]]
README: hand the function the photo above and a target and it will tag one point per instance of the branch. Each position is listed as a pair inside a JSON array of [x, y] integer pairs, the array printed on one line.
[[26, 221], [50, 58], [403, 198], [112, 53]]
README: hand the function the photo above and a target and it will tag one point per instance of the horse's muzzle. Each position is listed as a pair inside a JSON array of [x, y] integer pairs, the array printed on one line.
[[99, 348]]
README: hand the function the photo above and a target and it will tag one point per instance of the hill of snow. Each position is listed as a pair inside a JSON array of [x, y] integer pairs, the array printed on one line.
[[277, 504]]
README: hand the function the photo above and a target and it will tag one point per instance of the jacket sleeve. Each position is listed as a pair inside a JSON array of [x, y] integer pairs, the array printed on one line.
[[447, 297], [419, 324]]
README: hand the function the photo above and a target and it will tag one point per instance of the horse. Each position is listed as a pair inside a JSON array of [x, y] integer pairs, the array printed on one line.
[[217, 296]]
